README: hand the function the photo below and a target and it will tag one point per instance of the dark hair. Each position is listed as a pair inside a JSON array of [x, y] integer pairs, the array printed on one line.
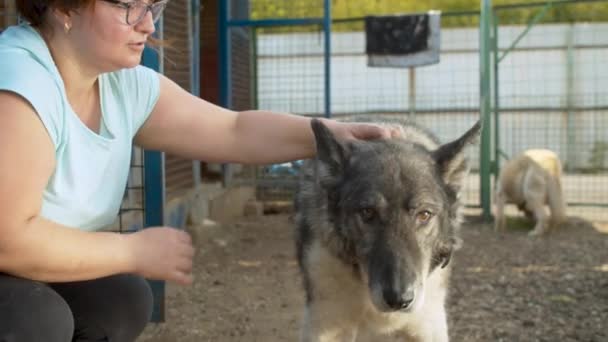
[[34, 11]]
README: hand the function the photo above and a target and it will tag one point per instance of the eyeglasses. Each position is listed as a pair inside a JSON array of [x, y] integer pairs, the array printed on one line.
[[137, 10]]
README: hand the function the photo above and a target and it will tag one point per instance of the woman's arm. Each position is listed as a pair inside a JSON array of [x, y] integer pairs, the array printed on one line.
[[35, 248], [188, 126]]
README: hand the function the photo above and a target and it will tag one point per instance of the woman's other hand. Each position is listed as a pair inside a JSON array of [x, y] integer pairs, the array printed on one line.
[[161, 253]]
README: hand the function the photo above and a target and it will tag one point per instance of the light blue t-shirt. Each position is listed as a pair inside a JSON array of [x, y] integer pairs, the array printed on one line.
[[88, 183]]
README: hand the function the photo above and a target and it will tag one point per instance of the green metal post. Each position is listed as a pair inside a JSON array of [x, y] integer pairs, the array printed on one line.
[[495, 48], [485, 107], [570, 131]]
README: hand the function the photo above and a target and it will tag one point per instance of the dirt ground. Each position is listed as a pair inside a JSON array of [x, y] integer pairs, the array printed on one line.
[[504, 287]]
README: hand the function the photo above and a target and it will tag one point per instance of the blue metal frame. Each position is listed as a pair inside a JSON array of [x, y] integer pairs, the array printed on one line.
[[275, 22], [154, 197], [195, 74], [154, 179], [224, 62], [224, 52]]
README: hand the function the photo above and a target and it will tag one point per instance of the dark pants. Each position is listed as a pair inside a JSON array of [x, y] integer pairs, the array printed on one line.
[[114, 309]]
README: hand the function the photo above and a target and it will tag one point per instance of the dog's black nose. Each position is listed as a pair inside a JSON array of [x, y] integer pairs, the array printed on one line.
[[399, 301]]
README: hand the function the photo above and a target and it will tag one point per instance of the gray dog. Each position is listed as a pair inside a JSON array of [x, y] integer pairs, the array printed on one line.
[[376, 227]]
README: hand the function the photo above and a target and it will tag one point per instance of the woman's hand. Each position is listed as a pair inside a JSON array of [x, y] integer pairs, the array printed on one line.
[[362, 131], [161, 253]]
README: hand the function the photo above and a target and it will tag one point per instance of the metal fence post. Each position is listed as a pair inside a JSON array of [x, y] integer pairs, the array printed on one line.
[[485, 107], [154, 198], [225, 72], [327, 55], [195, 73]]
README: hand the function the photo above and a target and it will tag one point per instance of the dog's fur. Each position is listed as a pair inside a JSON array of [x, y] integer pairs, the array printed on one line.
[[531, 180], [376, 227]]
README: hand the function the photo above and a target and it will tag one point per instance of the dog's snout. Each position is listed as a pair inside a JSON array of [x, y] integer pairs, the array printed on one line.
[[400, 301]]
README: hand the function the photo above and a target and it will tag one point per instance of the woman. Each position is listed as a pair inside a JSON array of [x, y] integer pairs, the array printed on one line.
[[73, 100]]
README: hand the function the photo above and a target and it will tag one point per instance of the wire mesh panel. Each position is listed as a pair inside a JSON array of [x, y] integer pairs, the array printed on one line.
[[274, 66], [552, 92], [132, 209], [290, 78], [443, 97]]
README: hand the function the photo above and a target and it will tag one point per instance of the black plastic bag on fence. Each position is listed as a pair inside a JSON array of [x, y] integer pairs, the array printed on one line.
[[396, 35]]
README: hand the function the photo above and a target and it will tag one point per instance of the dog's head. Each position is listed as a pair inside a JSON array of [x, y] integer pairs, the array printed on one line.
[[394, 204]]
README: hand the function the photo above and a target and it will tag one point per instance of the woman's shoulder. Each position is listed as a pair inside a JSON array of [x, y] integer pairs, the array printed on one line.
[[21, 66], [22, 74], [27, 72], [25, 59]]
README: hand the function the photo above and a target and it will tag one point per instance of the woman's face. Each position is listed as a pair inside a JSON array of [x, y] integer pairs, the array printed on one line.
[[105, 40]]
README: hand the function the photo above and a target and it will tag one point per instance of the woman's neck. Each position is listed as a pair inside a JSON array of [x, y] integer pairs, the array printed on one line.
[[79, 79]]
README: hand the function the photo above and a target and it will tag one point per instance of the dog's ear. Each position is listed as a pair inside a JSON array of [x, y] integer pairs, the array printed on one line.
[[450, 157], [330, 153]]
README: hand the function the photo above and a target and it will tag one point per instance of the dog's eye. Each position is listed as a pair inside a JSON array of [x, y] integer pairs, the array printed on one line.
[[423, 216], [367, 214]]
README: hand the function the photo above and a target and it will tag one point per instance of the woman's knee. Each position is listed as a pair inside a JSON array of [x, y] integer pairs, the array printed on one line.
[[137, 297], [116, 308], [32, 311], [132, 308]]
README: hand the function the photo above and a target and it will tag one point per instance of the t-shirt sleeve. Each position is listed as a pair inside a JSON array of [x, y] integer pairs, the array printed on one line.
[[30, 80], [143, 89]]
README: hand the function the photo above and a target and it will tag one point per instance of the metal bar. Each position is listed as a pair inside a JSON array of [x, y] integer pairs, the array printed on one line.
[[443, 52], [224, 54], [402, 111], [412, 91], [195, 74], [531, 24], [443, 14], [586, 204], [485, 108], [225, 70], [502, 153], [327, 56], [154, 192], [570, 131], [275, 22], [254, 66], [131, 209], [496, 91], [154, 216]]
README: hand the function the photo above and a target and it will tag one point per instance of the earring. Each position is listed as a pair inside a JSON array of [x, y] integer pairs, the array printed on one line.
[[67, 27]]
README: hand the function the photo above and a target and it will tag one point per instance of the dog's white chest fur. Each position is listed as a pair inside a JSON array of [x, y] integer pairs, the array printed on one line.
[[343, 309]]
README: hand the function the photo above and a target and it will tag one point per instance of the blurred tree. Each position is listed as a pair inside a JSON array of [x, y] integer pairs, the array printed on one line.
[[352, 9]]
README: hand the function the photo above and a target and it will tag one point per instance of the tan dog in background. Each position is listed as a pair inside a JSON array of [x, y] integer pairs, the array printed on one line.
[[532, 180]]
